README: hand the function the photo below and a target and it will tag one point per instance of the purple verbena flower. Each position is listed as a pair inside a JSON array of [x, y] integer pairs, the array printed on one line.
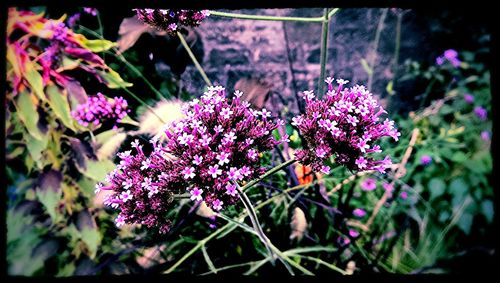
[[469, 98], [90, 11], [222, 147], [449, 55], [485, 135], [481, 113], [368, 184], [99, 110], [141, 190], [425, 160], [171, 20], [346, 124], [358, 212]]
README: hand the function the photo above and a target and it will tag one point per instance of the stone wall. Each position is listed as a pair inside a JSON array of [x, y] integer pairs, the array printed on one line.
[[237, 48]]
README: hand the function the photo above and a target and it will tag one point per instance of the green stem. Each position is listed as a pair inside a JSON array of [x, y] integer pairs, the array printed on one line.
[[323, 52], [332, 12], [143, 103], [230, 225], [266, 18], [120, 57], [380, 26], [101, 32], [193, 58], [255, 221], [268, 173], [397, 46]]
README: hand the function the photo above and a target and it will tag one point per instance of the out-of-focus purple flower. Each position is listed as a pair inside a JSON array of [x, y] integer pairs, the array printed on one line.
[[171, 20], [368, 184], [73, 19], [449, 55], [90, 11], [469, 98], [425, 160], [440, 60], [388, 186], [343, 240], [485, 135], [481, 113], [403, 195], [98, 110], [346, 124], [359, 212], [353, 233]]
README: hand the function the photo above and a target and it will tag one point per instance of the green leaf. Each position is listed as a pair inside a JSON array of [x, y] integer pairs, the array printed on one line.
[[437, 187], [98, 45], [58, 101], [487, 210], [36, 148], [458, 187], [26, 110], [89, 232], [130, 121], [465, 222], [459, 157], [49, 192], [35, 80], [113, 80], [97, 170], [459, 190], [366, 67]]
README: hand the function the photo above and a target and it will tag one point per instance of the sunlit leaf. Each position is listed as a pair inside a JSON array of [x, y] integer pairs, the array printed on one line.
[[98, 45], [112, 79]]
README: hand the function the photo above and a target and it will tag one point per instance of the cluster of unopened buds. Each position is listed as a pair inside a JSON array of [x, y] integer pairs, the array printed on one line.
[[99, 109], [171, 20]]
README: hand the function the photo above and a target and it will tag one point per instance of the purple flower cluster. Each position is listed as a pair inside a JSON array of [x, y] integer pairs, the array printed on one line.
[[481, 113], [90, 11], [425, 160], [345, 123], [449, 55], [170, 20], [142, 189], [217, 145], [59, 40], [369, 184], [98, 109]]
